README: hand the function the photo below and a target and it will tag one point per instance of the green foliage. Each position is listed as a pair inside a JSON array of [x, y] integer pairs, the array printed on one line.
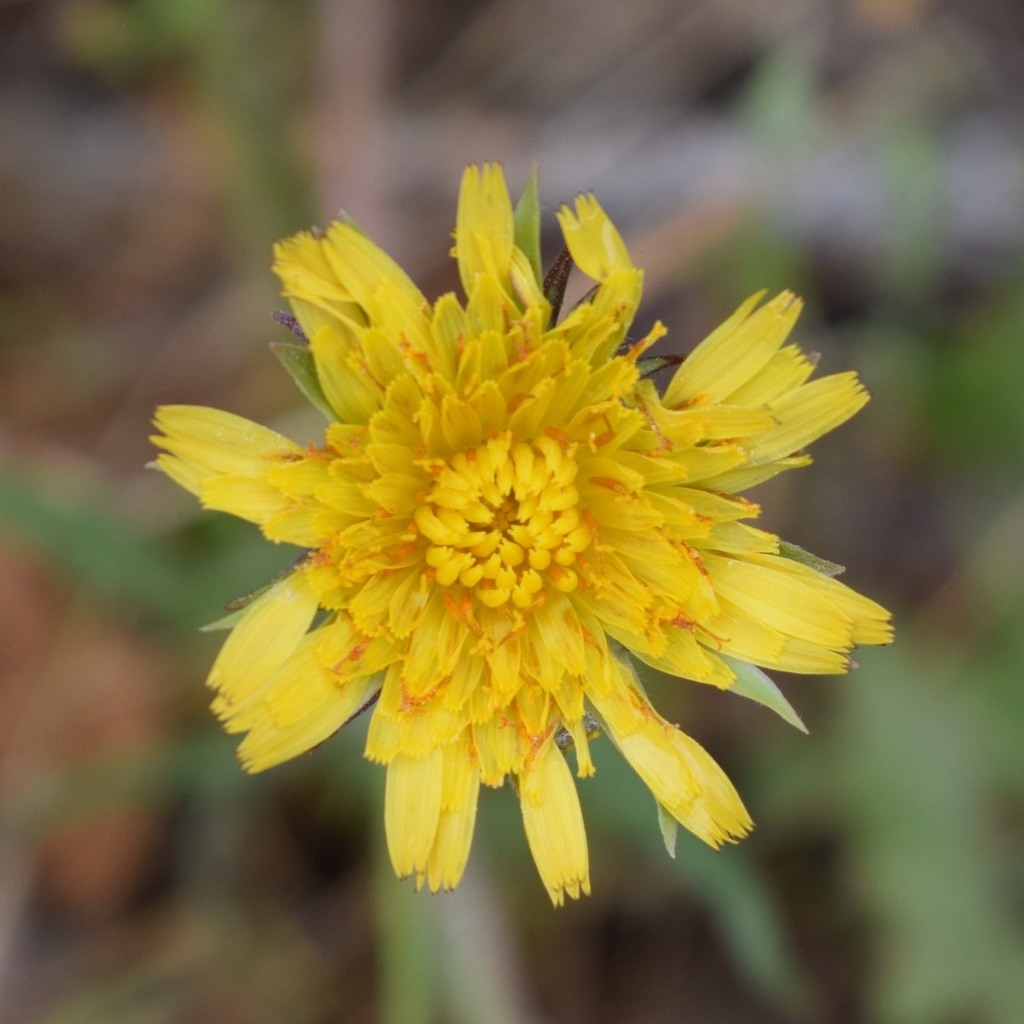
[[973, 387], [85, 541]]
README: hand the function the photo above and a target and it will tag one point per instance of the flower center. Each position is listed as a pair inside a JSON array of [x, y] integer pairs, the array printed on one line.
[[502, 520], [506, 516]]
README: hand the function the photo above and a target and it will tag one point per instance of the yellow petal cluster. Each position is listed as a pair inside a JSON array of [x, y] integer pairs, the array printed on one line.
[[500, 509]]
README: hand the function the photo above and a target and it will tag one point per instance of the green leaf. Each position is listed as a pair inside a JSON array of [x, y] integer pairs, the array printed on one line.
[[753, 684], [797, 554], [298, 361], [527, 222], [669, 829]]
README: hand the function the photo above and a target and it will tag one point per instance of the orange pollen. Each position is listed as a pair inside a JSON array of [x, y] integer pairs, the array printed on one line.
[[536, 742], [559, 435], [697, 560], [641, 705], [453, 606], [638, 348], [610, 483], [415, 703], [683, 623], [718, 641]]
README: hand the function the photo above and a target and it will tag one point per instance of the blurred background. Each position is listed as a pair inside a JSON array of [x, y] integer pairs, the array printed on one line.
[[865, 153]]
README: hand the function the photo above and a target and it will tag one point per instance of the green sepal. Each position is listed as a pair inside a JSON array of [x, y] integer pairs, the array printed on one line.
[[237, 606], [755, 685], [298, 361], [228, 621], [349, 221], [527, 222], [797, 554], [652, 364], [555, 281], [669, 829]]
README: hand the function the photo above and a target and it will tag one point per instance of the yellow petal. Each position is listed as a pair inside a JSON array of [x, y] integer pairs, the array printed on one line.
[[354, 396], [308, 279], [737, 478], [412, 809], [484, 229], [806, 414], [593, 240], [616, 303], [555, 632], [243, 496], [681, 655], [684, 779], [266, 636], [734, 353], [794, 606], [378, 284], [554, 824], [184, 474], [872, 624], [304, 708], [460, 788], [785, 371], [211, 441], [500, 747]]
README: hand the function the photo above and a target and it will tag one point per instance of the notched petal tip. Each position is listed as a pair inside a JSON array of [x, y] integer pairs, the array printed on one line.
[[592, 239], [553, 823], [484, 226]]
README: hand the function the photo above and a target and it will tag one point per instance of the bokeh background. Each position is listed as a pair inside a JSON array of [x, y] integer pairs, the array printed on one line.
[[866, 153]]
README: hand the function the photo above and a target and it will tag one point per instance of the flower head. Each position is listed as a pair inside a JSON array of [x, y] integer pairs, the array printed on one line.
[[503, 517]]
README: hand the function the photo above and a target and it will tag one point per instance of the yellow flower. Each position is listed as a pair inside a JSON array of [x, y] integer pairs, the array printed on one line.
[[503, 515]]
